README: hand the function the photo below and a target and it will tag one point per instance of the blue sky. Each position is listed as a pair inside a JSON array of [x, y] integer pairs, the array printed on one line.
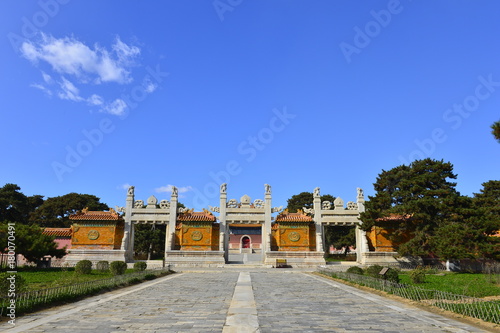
[[96, 95]]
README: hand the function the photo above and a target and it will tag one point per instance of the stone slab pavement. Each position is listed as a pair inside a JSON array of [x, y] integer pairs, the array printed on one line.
[[259, 300]]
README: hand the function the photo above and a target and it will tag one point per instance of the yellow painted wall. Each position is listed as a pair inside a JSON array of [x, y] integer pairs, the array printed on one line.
[[103, 236]]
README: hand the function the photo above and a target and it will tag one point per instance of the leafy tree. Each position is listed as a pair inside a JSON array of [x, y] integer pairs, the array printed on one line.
[[55, 212], [30, 242], [422, 195], [496, 130], [305, 199], [487, 205], [340, 236], [149, 240], [15, 206]]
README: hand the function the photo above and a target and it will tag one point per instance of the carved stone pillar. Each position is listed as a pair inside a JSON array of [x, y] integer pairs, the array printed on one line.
[[266, 228], [317, 219], [224, 228], [361, 241], [128, 242], [170, 233]]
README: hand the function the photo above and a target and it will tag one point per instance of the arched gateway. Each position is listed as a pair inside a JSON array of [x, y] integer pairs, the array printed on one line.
[[197, 238]]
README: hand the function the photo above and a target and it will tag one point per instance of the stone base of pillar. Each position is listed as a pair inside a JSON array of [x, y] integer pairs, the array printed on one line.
[[296, 258], [94, 255], [194, 258], [378, 258]]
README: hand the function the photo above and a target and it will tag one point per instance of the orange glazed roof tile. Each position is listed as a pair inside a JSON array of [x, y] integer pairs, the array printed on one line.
[[86, 215], [293, 217], [58, 232], [190, 216]]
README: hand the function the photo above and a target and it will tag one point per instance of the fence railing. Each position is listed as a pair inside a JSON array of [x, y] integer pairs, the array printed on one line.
[[464, 305], [26, 301]]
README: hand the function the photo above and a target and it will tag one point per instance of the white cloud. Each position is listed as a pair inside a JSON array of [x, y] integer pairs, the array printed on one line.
[[124, 51], [47, 78], [117, 107], [42, 88], [70, 56], [69, 91], [148, 85], [95, 100], [71, 66], [168, 189]]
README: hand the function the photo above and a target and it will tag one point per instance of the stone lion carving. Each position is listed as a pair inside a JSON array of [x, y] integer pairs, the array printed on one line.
[[223, 188], [258, 203], [325, 205], [232, 203], [164, 204], [352, 205], [316, 192], [175, 191], [360, 192], [268, 188], [138, 204], [131, 190]]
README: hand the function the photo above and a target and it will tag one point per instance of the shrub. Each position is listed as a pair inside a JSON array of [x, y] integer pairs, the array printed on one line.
[[102, 266], [417, 275], [373, 271], [6, 279], [140, 266], [149, 277], [83, 267], [134, 281], [392, 275], [118, 267], [355, 270]]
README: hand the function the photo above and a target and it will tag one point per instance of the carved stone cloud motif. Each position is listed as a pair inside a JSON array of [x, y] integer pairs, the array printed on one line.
[[352, 205], [258, 203], [325, 205], [232, 203]]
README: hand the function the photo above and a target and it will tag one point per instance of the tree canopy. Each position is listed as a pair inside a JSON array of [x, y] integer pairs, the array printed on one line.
[[30, 242], [495, 130], [305, 199], [55, 211], [429, 216], [15, 206]]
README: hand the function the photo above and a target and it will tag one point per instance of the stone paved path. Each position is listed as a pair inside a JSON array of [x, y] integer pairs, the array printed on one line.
[[281, 301]]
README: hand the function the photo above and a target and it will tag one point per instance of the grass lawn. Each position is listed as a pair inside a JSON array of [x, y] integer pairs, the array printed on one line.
[[475, 285], [55, 277]]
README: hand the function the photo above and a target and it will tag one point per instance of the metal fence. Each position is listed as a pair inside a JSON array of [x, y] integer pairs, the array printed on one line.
[[26, 301], [464, 305]]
